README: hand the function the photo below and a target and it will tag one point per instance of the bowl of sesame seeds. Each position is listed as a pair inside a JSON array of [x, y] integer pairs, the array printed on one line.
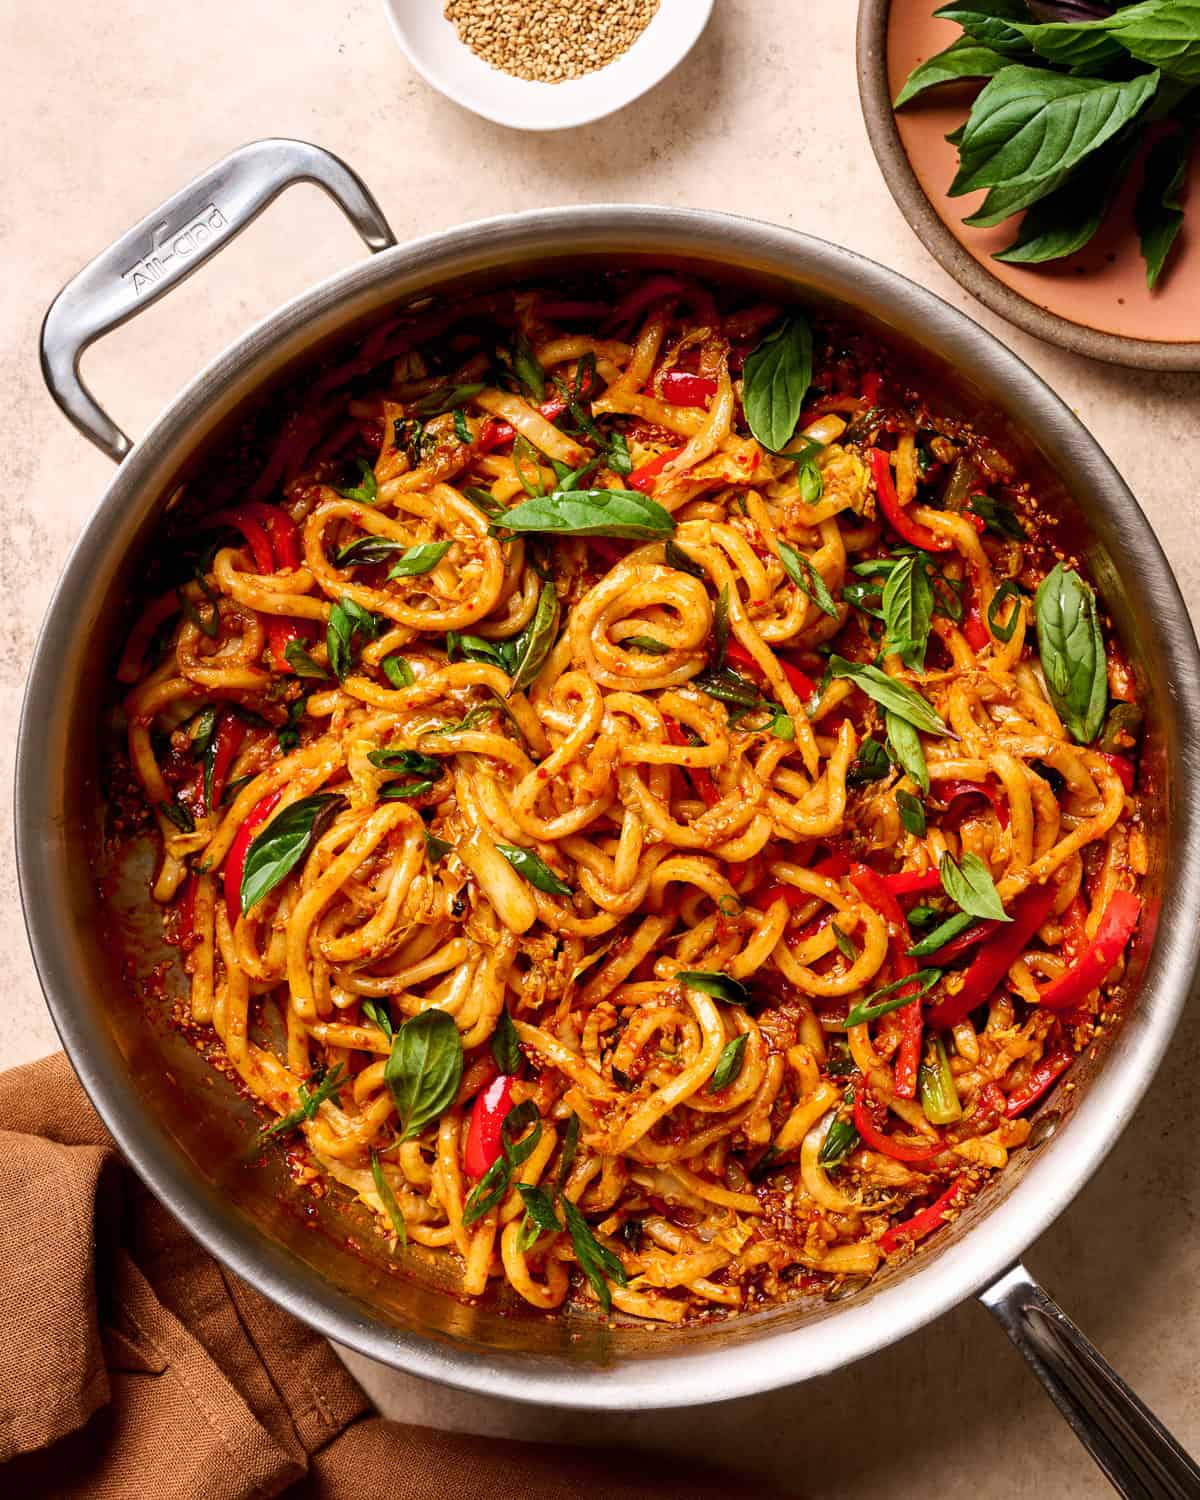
[[546, 64]]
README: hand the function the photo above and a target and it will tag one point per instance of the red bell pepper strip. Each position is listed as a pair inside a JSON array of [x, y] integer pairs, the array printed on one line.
[[230, 733], [253, 531], [875, 1138], [235, 860], [491, 1106], [700, 777], [973, 628], [949, 790], [682, 388], [1052, 1065], [655, 290], [913, 882], [897, 517], [1115, 929], [871, 382], [804, 686], [568, 308], [1123, 766], [282, 530], [927, 1220], [1074, 922], [965, 941], [643, 477], [996, 957]]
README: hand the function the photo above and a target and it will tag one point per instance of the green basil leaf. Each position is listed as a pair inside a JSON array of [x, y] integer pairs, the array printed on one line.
[[675, 557], [1030, 126], [807, 579], [991, 22], [398, 671], [1081, 46], [506, 1045], [301, 661], [412, 761], [902, 700], [420, 559], [1071, 647], [396, 791], [908, 611], [327, 1086], [596, 1261], [618, 458], [776, 375], [645, 643], [1064, 221], [729, 1064], [941, 934], [729, 686], [847, 947], [533, 645], [484, 500], [528, 371], [390, 1207], [912, 813], [424, 1069], [540, 1217], [436, 848], [349, 623], [840, 1139], [870, 764], [472, 719], [1163, 33], [376, 1012], [284, 843], [533, 867], [1004, 630], [447, 398], [911, 987], [720, 986], [720, 627], [366, 492], [204, 728], [998, 518], [971, 888], [474, 648], [617, 513], [1158, 213], [179, 815], [811, 482], [368, 550], [964, 58], [906, 747], [569, 1147]]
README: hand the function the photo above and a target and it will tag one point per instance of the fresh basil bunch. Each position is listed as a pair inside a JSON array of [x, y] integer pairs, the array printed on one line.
[[1074, 90]]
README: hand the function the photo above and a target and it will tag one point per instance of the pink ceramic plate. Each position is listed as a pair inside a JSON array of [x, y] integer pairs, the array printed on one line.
[[1095, 302]]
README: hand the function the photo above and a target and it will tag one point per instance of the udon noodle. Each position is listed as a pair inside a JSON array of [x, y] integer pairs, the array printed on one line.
[[553, 885]]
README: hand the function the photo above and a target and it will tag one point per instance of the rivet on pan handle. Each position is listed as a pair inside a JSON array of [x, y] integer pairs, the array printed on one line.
[[172, 242], [1139, 1455]]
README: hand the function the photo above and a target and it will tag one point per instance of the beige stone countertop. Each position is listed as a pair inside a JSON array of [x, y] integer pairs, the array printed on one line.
[[109, 109]]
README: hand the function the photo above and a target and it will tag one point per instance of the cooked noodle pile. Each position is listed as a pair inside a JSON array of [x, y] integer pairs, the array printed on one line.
[[448, 806]]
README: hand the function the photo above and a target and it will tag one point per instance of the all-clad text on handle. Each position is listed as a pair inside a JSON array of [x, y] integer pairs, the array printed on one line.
[[172, 242]]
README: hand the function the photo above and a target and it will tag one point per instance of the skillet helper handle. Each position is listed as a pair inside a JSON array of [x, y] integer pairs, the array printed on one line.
[[171, 243], [1136, 1452]]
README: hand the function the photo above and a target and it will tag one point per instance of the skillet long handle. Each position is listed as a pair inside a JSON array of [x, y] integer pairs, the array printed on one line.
[[1138, 1454], [171, 243]]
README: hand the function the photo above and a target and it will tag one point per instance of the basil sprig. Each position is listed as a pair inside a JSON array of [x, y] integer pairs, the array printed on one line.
[[423, 1070], [870, 764], [597, 1262], [876, 1005], [530, 649], [971, 888], [912, 813], [390, 1207], [720, 986], [807, 579], [349, 625], [616, 513], [284, 843], [531, 865], [366, 491], [506, 1045], [729, 1064], [1071, 647], [420, 559], [905, 745], [775, 377], [515, 1147], [905, 702], [325, 1086], [908, 611]]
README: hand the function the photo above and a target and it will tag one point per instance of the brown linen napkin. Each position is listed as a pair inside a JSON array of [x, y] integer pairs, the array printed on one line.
[[134, 1367]]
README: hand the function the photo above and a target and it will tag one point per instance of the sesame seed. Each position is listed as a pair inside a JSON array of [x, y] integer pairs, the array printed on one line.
[[548, 41]]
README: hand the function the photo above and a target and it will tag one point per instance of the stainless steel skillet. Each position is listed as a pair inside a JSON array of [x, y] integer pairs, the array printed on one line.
[[95, 951]]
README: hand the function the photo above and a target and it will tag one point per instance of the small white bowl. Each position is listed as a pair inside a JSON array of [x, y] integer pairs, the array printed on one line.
[[432, 46]]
